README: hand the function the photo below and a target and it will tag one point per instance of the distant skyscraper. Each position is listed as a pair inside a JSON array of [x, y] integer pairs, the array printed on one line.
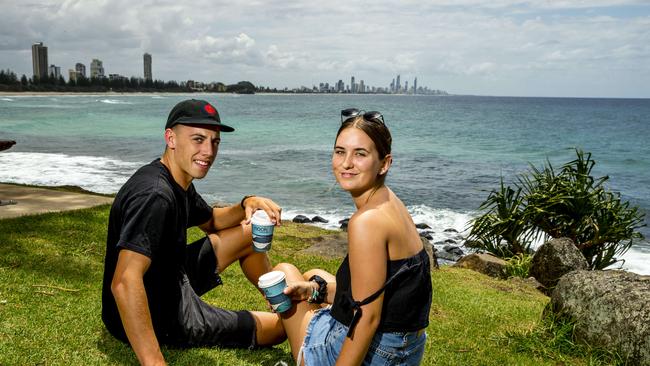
[[392, 86], [147, 66], [72, 74], [353, 87], [96, 69], [398, 86], [39, 60], [80, 69], [415, 86], [406, 86], [362, 87], [55, 71]]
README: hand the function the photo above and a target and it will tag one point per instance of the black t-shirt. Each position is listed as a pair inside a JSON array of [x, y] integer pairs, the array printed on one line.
[[150, 215], [407, 296]]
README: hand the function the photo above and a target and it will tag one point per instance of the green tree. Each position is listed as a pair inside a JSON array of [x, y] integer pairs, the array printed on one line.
[[567, 203]]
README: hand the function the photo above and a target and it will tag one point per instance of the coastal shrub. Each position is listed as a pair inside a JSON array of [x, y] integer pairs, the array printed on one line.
[[545, 203], [519, 265], [502, 229]]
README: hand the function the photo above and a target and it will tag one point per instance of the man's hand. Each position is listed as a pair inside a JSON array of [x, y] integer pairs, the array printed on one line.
[[254, 203]]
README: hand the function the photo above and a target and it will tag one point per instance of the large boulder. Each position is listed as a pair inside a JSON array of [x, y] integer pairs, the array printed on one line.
[[431, 252], [484, 263], [554, 259], [611, 310]]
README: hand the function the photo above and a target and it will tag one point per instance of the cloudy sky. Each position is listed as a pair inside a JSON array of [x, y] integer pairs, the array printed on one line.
[[596, 48]]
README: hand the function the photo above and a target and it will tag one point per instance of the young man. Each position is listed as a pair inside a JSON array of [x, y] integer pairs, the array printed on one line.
[[152, 277]]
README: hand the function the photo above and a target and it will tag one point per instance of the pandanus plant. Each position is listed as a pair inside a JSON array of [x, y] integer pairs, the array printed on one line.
[[548, 204]]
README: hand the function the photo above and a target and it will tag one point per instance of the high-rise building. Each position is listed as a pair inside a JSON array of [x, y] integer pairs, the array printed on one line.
[[353, 87], [147, 66], [362, 87], [80, 69], [39, 60], [415, 86], [96, 69], [72, 74], [398, 86], [406, 86], [55, 72]]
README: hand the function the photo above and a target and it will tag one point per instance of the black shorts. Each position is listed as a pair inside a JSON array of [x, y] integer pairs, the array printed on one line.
[[199, 323]]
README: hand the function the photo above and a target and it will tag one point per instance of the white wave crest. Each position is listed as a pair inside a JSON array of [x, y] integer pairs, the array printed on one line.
[[97, 174], [113, 101], [7, 99]]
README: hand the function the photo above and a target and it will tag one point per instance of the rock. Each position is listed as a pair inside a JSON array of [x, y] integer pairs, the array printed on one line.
[[554, 259], [432, 254], [483, 263], [344, 224], [301, 219], [422, 226], [443, 254], [611, 310], [450, 230], [426, 234], [319, 219], [453, 250], [449, 241]]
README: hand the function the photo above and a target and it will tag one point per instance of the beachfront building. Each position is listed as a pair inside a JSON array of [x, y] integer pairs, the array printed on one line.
[[80, 69], [72, 74], [97, 69], [55, 72], [147, 66], [415, 86], [39, 60], [362, 87]]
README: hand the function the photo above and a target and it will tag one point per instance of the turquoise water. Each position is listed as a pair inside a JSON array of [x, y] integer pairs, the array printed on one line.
[[448, 151]]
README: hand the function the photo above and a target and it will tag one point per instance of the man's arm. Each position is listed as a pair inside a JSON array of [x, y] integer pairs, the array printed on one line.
[[128, 289], [226, 217]]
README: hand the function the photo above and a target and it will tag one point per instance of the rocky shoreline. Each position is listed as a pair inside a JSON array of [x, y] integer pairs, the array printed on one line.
[[447, 251]]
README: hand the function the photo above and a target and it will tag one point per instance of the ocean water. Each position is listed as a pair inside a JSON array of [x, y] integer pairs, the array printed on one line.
[[449, 152]]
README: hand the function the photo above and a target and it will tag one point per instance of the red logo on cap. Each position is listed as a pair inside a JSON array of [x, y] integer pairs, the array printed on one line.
[[210, 109]]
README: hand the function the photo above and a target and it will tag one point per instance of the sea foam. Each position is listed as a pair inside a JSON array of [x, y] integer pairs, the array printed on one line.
[[97, 174], [113, 101]]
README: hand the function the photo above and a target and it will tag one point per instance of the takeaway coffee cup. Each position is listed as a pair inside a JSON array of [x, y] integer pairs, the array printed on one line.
[[272, 284], [262, 231]]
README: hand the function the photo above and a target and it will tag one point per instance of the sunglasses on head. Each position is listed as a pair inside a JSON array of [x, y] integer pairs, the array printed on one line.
[[372, 116]]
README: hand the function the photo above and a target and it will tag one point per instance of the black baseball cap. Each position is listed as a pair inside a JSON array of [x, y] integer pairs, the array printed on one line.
[[194, 111]]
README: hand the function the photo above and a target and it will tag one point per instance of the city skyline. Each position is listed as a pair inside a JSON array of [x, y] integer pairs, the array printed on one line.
[[40, 52], [509, 47]]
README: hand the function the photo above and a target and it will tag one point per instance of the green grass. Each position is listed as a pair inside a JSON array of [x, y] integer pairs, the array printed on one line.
[[50, 298]]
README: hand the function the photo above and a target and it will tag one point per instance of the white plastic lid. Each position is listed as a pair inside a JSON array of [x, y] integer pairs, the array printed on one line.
[[270, 279], [261, 218]]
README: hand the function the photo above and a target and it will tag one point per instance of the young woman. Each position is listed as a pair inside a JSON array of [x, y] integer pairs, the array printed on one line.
[[381, 295]]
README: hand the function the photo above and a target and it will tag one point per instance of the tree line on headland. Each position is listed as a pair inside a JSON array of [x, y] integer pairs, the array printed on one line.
[[9, 82]]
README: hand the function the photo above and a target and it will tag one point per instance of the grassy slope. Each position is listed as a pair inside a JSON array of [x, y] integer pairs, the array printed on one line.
[[41, 322]]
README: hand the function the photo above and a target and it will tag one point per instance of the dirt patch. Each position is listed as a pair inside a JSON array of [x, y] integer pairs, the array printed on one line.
[[331, 246]]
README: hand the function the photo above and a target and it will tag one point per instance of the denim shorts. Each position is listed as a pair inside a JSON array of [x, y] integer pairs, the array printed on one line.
[[325, 337]]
